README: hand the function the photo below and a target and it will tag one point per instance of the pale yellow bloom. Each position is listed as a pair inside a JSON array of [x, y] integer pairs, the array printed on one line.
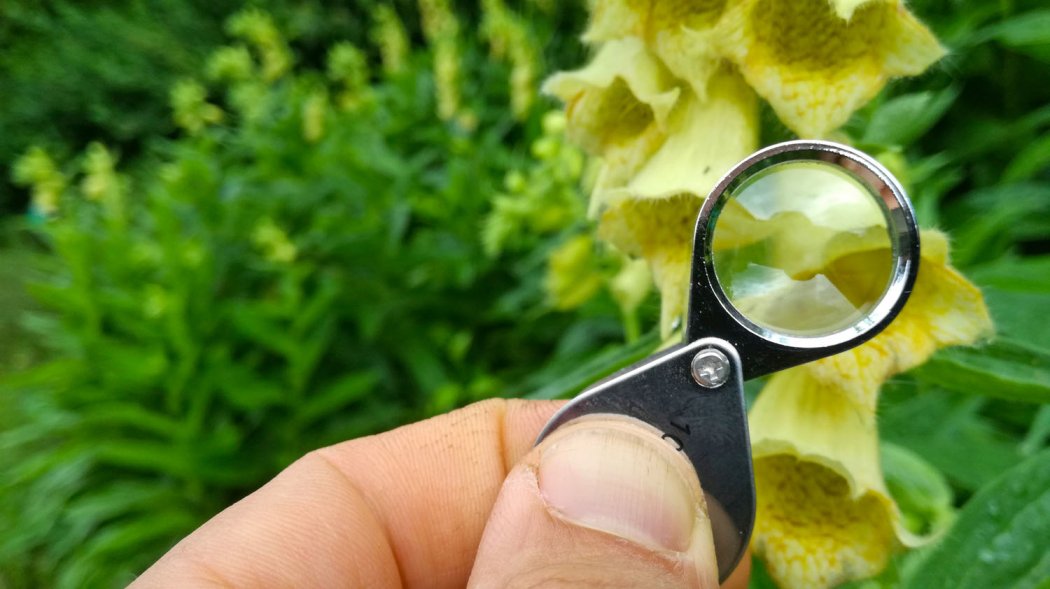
[[509, 38], [274, 242], [38, 171], [652, 214], [679, 32], [389, 34], [101, 178], [232, 64], [824, 514], [618, 106], [571, 277], [661, 231], [945, 309], [631, 285], [103, 184], [442, 29], [191, 110], [705, 138], [817, 61], [259, 30], [315, 111], [662, 149]]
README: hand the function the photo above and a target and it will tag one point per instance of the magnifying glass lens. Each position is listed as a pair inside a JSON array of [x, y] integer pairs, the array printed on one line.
[[803, 248]]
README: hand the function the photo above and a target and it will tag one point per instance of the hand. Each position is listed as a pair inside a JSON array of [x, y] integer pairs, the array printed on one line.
[[464, 499]]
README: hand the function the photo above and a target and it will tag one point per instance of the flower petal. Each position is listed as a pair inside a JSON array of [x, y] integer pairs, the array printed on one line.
[[910, 47], [661, 231], [616, 19], [705, 139], [814, 66], [653, 213], [944, 310], [824, 515], [845, 8], [622, 91], [572, 278], [680, 32]]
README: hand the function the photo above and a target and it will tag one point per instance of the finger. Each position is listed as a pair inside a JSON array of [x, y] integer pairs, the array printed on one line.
[[603, 501], [407, 506]]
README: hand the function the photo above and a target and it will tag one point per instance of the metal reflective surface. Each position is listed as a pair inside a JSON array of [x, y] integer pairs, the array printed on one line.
[[762, 348], [802, 248], [735, 328], [708, 424]]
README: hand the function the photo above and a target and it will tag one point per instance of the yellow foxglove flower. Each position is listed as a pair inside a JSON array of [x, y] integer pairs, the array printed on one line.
[[661, 231], [705, 138], [817, 61], [944, 309], [631, 284], [824, 514], [653, 213], [389, 34], [441, 29], [572, 277], [38, 171], [618, 106], [191, 109], [681, 33], [274, 242]]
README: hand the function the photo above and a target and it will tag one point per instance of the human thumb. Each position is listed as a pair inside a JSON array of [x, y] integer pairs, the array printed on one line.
[[602, 501]]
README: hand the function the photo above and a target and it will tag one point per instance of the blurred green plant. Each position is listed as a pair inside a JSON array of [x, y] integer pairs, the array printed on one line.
[[74, 72], [302, 266], [319, 255]]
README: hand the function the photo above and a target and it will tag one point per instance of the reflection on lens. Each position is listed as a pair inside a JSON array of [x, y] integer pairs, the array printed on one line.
[[802, 248]]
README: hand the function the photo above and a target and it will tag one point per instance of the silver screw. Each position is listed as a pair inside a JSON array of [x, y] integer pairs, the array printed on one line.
[[710, 368]]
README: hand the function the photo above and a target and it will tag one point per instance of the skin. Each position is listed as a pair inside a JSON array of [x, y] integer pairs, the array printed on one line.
[[409, 508]]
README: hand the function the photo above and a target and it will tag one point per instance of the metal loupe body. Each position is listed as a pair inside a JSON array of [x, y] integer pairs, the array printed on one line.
[[747, 324]]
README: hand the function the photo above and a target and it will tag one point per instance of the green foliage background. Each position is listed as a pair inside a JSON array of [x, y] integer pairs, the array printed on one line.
[[269, 256]]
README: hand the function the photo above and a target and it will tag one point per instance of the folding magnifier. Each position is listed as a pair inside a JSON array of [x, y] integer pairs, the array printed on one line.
[[805, 249]]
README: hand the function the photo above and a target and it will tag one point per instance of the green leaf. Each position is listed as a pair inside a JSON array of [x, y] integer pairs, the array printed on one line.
[[51, 480], [309, 354], [1032, 159], [901, 120], [948, 431], [760, 579], [596, 368], [988, 229], [1000, 538], [920, 490], [86, 513], [1039, 433], [253, 323], [244, 387], [1029, 274], [106, 549], [124, 365], [200, 462], [66, 299], [1014, 311], [53, 374], [1027, 33], [335, 397], [1005, 369], [130, 415]]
